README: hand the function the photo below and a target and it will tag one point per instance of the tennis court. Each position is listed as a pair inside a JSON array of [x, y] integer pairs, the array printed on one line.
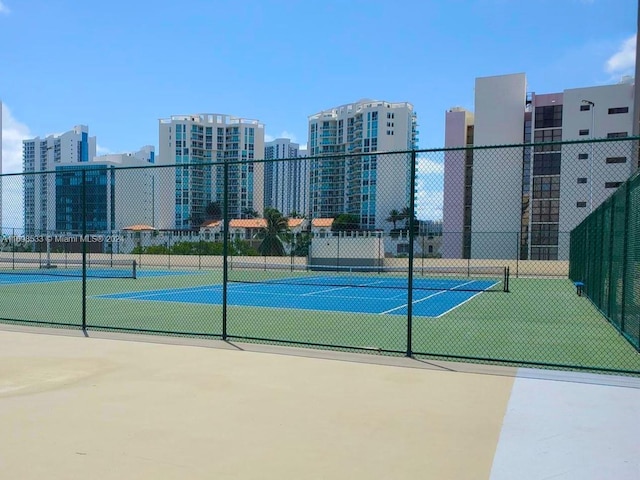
[[20, 276], [539, 320], [381, 296]]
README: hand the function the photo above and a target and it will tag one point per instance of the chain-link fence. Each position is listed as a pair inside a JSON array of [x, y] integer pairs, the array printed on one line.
[[605, 259], [459, 254]]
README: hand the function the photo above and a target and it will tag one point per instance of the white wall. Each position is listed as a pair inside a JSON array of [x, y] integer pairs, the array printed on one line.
[[597, 172], [497, 173]]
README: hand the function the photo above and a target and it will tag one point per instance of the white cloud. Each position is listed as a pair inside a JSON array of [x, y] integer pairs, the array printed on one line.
[[430, 186], [13, 132], [623, 61], [427, 166], [3, 8], [284, 134], [100, 150], [429, 204]]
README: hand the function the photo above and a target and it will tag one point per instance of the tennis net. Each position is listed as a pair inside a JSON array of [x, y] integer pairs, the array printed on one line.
[[72, 267], [469, 279]]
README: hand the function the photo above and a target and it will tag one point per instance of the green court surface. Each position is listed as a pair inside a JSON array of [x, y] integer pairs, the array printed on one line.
[[540, 321]]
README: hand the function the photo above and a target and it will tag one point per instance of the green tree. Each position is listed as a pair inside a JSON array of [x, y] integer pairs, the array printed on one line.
[[301, 244], [406, 215], [214, 211], [249, 213], [156, 250], [271, 235], [394, 217], [345, 222], [242, 248]]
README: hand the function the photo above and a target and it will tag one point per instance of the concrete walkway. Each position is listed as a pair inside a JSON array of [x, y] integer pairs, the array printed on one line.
[[111, 408]]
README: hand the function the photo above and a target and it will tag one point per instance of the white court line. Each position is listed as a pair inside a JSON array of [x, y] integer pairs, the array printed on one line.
[[414, 302], [338, 288], [203, 288], [462, 285], [114, 296], [467, 300], [322, 291]]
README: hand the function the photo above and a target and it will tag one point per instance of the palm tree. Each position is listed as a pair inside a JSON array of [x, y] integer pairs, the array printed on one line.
[[394, 217], [277, 225], [249, 213], [406, 215]]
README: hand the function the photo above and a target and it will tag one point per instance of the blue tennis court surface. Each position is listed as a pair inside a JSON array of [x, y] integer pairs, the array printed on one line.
[[380, 296], [11, 277]]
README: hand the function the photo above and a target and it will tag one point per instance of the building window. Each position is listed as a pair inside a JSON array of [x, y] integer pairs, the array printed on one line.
[[613, 111], [584, 108], [547, 117], [545, 211], [546, 187], [584, 131], [582, 180], [617, 135], [546, 164], [544, 234], [583, 156], [581, 204], [612, 184], [545, 136], [616, 159]]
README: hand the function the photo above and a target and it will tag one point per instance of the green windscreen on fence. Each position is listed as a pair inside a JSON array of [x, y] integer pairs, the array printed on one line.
[[605, 257]]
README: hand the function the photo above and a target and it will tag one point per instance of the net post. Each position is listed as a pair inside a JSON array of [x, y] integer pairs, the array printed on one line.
[[135, 270], [506, 279]]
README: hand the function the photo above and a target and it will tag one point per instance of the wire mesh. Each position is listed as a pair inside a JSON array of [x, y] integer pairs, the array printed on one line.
[[608, 267], [391, 252]]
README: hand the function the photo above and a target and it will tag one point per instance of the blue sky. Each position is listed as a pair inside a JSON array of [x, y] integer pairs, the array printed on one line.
[[119, 66]]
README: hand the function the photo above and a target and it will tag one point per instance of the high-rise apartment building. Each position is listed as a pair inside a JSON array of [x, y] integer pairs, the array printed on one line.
[[522, 202], [74, 147], [286, 182], [206, 142], [368, 185], [55, 201]]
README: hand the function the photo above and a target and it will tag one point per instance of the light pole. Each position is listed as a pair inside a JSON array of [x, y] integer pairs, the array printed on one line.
[[593, 132]]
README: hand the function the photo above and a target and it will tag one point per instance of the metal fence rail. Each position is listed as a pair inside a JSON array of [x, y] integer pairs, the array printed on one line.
[[605, 259], [465, 254]]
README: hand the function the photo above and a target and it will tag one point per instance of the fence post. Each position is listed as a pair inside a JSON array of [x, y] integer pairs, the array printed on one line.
[[610, 272], [84, 249], [412, 209], [601, 257], [625, 260], [225, 247]]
